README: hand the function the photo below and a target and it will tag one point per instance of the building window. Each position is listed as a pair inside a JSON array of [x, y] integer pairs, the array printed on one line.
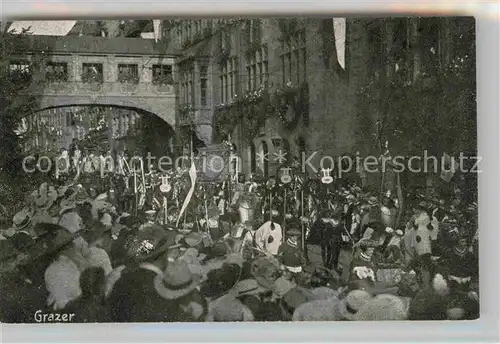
[[257, 69], [253, 30], [162, 75], [253, 158], [374, 34], [187, 94], [293, 58], [228, 80], [56, 71], [20, 66], [128, 73], [20, 69], [92, 73], [203, 85]]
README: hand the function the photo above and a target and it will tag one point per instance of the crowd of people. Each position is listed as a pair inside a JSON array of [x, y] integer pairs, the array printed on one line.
[[255, 251]]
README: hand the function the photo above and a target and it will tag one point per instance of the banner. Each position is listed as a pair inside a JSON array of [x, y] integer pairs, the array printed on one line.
[[212, 163], [192, 177]]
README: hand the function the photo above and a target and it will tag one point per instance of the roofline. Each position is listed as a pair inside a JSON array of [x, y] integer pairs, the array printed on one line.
[[51, 42]]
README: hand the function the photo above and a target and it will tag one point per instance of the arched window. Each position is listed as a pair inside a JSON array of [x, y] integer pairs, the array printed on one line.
[[265, 158], [253, 158]]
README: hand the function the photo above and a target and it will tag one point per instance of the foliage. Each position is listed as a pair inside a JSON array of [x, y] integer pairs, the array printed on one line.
[[253, 47], [230, 23], [435, 112], [128, 79], [252, 108], [186, 43], [15, 103], [186, 114], [294, 97], [134, 28], [163, 79], [224, 121], [288, 27]]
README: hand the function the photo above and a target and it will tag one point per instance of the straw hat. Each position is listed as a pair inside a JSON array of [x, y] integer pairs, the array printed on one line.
[[67, 204], [383, 307], [22, 219], [247, 287], [176, 281]]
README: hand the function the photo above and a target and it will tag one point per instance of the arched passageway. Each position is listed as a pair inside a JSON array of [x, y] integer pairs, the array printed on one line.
[[98, 126]]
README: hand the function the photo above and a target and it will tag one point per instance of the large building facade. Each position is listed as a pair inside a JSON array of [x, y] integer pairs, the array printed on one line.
[[294, 85]]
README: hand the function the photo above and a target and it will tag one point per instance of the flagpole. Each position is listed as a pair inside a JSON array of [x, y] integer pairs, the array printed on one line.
[[191, 156], [165, 206]]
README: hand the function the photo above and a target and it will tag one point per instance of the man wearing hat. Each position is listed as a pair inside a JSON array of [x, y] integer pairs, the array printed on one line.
[[372, 213], [460, 268], [329, 225], [290, 253], [150, 219]]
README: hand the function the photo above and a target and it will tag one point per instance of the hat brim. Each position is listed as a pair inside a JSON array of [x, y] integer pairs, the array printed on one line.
[[193, 242], [171, 294], [342, 309], [62, 239], [23, 224], [259, 290], [66, 208]]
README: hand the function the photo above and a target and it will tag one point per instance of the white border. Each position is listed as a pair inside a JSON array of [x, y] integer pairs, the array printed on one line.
[[484, 329]]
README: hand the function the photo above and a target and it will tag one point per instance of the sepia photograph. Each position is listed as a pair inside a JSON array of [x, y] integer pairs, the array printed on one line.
[[239, 169]]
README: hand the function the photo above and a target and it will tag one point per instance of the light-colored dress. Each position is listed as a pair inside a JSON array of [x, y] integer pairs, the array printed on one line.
[[269, 240]]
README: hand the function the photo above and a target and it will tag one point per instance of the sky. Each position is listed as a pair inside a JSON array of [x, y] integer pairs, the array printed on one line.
[[61, 27], [47, 27]]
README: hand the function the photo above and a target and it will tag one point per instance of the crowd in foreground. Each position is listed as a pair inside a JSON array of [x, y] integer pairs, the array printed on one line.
[[73, 251]]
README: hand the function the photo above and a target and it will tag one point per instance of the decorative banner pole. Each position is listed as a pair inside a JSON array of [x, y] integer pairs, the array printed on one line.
[[285, 179], [303, 236], [165, 188], [136, 205], [270, 206], [206, 209], [165, 210], [383, 166]]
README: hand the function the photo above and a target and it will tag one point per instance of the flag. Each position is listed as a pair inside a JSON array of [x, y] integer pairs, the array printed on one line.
[[157, 29], [192, 177]]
